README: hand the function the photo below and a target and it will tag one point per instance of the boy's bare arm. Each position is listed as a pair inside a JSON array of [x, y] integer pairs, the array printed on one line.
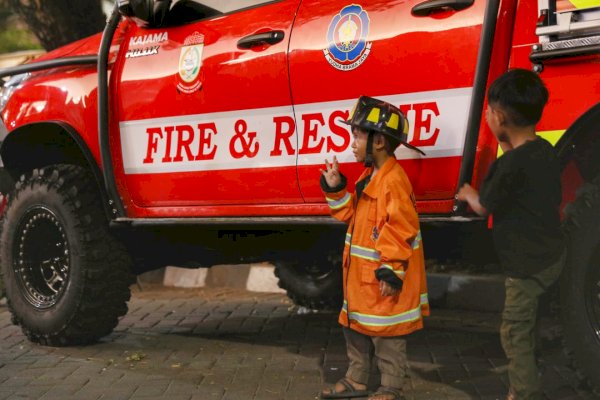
[[471, 196]]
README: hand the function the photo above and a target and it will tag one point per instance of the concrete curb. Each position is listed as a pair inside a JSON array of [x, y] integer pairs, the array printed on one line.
[[451, 291], [253, 277]]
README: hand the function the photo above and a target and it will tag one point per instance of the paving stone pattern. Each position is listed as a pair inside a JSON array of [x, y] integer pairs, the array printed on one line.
[[231, 344]]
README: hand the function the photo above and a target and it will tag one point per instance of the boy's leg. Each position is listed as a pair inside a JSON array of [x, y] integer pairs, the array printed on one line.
[[517, 335], [518, 330], [359, 348], [391, 360]]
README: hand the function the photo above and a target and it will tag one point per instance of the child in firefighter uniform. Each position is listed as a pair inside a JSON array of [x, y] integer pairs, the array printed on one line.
[[522, 191], [385, 294]]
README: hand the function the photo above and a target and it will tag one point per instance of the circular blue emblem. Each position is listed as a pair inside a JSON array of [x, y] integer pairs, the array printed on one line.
[[346, 35]]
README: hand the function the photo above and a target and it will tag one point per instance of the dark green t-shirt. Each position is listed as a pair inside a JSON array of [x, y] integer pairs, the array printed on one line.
[[523, 193]]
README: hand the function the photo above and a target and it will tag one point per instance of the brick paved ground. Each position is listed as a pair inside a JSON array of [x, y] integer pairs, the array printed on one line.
[[231, 344]]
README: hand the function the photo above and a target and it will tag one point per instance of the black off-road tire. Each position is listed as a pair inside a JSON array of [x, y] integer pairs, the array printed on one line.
[[67, 278], [580, 285], [310, 283]]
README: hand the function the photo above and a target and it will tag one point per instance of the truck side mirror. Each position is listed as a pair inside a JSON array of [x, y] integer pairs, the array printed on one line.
[[125, 8], [146, 13]]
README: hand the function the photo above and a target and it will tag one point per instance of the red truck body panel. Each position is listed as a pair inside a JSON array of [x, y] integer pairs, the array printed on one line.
[[190, 152], [200, 126]]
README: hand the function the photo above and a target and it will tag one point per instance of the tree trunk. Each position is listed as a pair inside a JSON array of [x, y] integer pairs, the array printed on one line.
[[58, 22]]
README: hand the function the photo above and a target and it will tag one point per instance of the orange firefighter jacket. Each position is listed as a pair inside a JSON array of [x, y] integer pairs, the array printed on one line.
[[383, 232]]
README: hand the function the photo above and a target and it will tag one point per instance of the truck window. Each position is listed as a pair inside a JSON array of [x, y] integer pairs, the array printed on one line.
[[185, 11], [233, 5]]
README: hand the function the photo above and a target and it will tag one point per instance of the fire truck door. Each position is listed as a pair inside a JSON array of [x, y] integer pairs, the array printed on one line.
[[425, 64], [197, 104]]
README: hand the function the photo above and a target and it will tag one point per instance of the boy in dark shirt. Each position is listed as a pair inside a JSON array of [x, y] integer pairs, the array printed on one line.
[[522, 192]]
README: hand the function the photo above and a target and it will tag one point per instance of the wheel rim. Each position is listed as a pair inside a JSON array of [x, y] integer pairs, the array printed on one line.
[[41, 256], [316, 272], [593, 295]]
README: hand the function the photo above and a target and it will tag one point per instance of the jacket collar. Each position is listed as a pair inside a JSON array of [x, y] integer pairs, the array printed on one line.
[[372, 188]]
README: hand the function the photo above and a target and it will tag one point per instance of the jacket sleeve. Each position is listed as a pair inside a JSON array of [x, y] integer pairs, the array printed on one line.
[[340, 201], [398, 235]]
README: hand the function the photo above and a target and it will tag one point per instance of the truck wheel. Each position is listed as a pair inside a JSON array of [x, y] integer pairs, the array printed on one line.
[[580, 286], [67, 279], [311, 284]]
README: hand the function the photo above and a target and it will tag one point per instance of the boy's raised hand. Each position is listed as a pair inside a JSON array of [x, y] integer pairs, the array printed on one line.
[[332, 173]]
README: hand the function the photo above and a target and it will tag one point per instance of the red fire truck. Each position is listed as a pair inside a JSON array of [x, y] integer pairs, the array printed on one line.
[[191, 133]]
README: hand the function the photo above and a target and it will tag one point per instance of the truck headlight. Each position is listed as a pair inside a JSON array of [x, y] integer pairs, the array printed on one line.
[[8, 88]]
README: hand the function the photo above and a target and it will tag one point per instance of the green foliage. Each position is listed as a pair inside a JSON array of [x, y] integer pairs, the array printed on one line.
[[15, 39], [14, 35]]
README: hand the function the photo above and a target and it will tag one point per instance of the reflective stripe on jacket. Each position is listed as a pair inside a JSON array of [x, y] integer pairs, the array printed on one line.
[[383, 232]]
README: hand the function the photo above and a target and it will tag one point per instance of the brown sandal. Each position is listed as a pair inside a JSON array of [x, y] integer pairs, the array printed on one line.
[[348, 392], [388, 391]]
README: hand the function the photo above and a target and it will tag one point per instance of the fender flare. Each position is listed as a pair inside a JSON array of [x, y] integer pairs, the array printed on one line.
[[579, 140], [14, 161]]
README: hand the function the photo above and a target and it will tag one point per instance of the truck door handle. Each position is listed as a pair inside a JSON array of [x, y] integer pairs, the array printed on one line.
[[429, 6], [260, 39]]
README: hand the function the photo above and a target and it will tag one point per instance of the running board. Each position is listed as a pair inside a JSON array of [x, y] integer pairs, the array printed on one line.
[[270, 221]]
